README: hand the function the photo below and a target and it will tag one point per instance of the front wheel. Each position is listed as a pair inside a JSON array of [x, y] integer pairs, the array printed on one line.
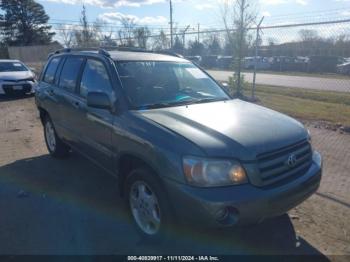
[[149, 209], [54, 144]]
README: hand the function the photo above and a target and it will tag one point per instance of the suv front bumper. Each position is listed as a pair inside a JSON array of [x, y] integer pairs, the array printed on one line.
[[243, 204]]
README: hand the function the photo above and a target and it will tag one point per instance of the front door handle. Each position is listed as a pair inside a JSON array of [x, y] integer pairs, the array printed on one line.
[[76, 104], [51, 92]]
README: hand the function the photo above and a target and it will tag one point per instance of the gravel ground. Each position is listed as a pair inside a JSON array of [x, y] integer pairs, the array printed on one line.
[[70, 206]]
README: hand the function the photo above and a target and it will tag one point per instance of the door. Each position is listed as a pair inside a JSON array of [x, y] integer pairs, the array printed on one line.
[[47, 89], [96, 128], [69, 101]]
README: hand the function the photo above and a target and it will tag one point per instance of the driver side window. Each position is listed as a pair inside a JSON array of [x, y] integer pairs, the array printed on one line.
[[95, 78]]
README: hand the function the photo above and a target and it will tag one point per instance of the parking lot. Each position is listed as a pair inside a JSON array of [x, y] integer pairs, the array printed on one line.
[[70, 206], [307, 82]]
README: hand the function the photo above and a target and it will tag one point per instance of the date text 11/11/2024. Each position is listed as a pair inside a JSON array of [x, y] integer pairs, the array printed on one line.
[[173, 258]]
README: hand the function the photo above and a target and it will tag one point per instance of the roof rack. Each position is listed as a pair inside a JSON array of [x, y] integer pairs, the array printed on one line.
[[104, 51], [169, 52], [100, 51], [142, 50]]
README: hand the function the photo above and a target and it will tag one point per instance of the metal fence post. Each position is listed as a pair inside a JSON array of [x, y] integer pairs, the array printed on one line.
[[256, 55]]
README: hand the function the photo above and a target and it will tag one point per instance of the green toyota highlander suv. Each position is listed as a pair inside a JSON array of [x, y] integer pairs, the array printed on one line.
[[182, 150]]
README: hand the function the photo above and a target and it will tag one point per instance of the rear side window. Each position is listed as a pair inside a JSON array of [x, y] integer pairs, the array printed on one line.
[[70, 72], [95, 78], [51, 70]]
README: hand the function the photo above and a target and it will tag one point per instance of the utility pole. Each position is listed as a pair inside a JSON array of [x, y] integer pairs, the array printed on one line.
[[171, 25], [198, 32], [184, 35], [256, 55]]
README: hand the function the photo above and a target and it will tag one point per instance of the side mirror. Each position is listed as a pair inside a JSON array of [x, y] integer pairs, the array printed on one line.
[[98, 100], [224, 84]]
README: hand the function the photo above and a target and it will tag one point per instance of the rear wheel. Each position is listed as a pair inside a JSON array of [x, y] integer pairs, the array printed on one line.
[[54, 144], [148, 205]]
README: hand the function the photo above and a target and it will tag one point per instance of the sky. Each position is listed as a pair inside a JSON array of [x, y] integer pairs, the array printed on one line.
[[155, 13], [191, 12]]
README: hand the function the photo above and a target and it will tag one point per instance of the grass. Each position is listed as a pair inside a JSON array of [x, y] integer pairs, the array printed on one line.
[[287, 73], [332, 107], [319, 75]]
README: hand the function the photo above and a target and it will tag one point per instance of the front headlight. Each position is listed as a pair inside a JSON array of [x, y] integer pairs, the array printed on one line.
[[308, 135], [213, 172]]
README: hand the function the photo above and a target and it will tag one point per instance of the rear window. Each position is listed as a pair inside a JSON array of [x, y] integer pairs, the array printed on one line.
[[49, 76], [70, 72]]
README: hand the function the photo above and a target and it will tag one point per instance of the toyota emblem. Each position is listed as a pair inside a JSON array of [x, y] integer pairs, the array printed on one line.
[[292, 160]]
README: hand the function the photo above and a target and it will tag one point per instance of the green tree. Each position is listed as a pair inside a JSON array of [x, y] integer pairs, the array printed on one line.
[[213, 45], [195, 48], [24, 23], [178, 46]]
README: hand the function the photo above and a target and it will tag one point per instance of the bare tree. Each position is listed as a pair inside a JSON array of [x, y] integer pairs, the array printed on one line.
[[238, 16], [307, 35], [66, 34], [126, 33], [142, 34], [161, 42], [85, 35], [102, 34]]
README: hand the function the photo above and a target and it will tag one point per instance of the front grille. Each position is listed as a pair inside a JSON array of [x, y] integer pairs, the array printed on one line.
[[275, 166], [19, 80], [9, 88]]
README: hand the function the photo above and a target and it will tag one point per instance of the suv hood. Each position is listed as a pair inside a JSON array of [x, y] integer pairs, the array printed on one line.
[[15, 75], [232, 128]]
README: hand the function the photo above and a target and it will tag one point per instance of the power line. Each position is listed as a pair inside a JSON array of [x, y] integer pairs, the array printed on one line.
[[210, 31], [303, 15]]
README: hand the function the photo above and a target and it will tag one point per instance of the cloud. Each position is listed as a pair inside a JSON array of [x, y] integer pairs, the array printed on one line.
[[204, 6], [109, 3], [115, 17], [266, 13], [301, 2], [280, 2], [345, 13], [273, 2]]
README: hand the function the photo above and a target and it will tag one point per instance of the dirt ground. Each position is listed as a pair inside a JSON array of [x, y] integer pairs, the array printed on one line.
[[70, 206]]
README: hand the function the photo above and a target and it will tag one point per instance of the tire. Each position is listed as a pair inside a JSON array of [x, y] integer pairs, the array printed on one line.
[[54, 144], [155, 205]]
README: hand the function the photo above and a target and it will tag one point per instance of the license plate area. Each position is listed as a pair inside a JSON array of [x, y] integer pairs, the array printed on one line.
[[17, 87]]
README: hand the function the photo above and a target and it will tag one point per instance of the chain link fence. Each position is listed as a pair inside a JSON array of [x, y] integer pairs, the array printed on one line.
[[302, 69], [319, 50]]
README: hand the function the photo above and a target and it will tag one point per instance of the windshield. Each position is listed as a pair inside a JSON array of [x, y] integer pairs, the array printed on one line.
[[151, 84], [12, 67]]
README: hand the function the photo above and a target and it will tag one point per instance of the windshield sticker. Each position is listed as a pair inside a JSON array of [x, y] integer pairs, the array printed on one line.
[[17, 65], [196, 73]]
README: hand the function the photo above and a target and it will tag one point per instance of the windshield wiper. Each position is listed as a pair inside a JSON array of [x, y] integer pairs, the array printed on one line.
[[208, 100], [181, 103], [163, 105]]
